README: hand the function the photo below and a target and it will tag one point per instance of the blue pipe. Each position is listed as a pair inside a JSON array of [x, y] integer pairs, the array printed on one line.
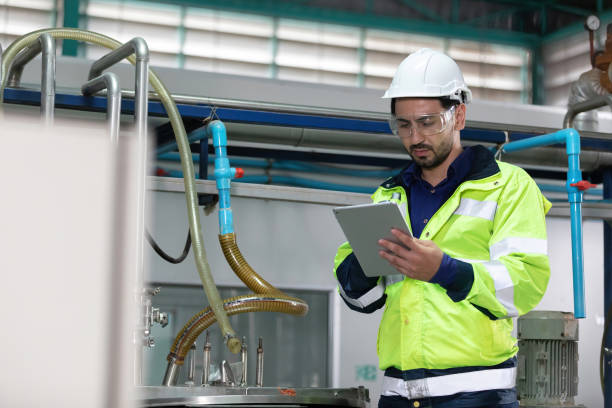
[[548, 188], [571, 138], [291, 165], [536, 141], [193, 137], [223, 175], [292, 181]]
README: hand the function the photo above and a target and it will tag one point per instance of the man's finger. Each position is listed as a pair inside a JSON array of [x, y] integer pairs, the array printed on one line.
[[404, 238], [401, 265], [395, 261], [425, 242], [393, 247]]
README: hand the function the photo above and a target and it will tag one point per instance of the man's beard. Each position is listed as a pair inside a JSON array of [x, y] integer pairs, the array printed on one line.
[[438, 156]]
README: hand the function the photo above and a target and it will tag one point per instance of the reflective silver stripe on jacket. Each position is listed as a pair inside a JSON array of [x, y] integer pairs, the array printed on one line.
[[500, 378], [504, 288], [391, 279], [518, 245], [366, 299], [475, 208]]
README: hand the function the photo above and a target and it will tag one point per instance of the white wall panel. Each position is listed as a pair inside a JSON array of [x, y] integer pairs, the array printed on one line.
[[321, 76], [318, 33], [559, 296], [317, 57], [232, 23]]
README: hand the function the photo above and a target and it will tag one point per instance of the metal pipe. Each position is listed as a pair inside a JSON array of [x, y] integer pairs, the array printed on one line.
[[571, 138], [109, 81], [259, 364], [575, 109], [46, 44], [171, 374], [139, 48], [206, 362], [191, 372], [280, 107], [355, 114], [590, 160], [47, 87], [227, 375], [243, 359]]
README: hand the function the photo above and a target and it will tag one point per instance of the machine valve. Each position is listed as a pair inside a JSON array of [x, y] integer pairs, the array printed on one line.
[[159, 317], [583, 185], [239, 172]]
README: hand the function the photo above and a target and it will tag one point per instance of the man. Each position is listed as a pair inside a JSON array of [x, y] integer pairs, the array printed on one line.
[[477, 259]]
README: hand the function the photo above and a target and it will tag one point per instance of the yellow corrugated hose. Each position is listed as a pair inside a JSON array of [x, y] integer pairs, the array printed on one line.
[[266, 299]]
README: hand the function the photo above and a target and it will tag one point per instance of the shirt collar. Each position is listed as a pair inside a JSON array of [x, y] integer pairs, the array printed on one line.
[[456, 173]]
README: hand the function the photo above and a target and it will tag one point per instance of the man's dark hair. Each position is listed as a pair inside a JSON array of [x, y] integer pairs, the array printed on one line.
[[445, 102]]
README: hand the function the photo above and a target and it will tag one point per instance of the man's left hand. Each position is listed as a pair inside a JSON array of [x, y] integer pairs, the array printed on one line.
[[415, 258]]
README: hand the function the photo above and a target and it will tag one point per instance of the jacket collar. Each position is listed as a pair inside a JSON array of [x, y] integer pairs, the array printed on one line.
[[483, 166]]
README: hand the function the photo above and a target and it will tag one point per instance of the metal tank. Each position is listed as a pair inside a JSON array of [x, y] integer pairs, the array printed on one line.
[[224, 396]]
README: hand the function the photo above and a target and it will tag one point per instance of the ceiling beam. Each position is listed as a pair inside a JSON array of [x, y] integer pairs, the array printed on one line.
[[71, 19], [499, 13], [455, 12], [572, 10], [605, 16], [425, 11], [304, 12]]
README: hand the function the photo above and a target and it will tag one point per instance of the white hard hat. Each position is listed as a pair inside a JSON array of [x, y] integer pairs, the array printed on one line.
[[429, 74]]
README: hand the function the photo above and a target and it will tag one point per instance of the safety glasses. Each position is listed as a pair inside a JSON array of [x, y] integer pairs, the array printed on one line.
[[425, 125]]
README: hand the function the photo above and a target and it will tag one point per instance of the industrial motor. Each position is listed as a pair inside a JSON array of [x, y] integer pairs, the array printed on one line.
[[548, 359]]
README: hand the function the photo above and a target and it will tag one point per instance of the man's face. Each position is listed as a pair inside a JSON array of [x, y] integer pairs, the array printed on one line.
[[428, 150]]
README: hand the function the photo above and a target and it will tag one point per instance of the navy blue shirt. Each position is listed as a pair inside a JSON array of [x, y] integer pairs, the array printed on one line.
[[425, 200]]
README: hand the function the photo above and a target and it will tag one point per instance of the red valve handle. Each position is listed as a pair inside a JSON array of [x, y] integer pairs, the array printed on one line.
[[583, 185], [239, 172]]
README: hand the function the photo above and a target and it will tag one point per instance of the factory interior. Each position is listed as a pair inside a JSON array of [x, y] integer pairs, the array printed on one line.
[[173, 167]]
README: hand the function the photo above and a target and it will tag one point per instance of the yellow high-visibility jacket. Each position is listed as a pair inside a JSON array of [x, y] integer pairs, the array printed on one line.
[[493, 224]]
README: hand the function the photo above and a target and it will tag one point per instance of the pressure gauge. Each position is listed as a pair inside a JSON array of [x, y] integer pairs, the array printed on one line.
[[592, 23]]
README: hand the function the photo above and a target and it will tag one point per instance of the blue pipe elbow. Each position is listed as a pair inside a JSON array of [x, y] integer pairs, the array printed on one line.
[[571, 138]]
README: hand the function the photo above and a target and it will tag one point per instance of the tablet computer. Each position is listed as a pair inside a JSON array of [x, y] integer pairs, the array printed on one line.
[[364, 225]]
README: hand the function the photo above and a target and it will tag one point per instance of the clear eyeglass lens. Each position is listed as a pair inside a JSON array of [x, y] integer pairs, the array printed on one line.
[[425, 125]]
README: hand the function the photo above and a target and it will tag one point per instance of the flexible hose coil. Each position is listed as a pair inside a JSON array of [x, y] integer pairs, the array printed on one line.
[[241, 268], [266, 299], [235, 305]]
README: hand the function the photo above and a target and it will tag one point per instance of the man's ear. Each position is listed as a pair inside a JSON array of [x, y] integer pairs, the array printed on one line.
[[460, 117]]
